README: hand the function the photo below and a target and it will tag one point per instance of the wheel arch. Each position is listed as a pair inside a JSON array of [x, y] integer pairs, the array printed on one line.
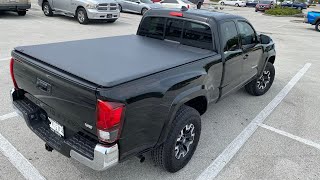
[[195, 97]]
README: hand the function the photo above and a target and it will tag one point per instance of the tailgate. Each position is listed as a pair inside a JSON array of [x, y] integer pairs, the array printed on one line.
[[68, 100]]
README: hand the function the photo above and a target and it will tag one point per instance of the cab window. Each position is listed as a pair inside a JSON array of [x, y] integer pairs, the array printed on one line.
[[247, 34], [230, 38]]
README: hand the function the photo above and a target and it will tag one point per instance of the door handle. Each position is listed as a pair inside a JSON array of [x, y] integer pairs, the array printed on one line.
[[245, 57]]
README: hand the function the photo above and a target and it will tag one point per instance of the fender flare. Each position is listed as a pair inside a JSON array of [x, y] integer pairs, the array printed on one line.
[[181, 99]]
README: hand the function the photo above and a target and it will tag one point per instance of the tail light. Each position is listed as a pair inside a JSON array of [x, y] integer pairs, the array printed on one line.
[[177, 14], [109, 116], [11, 73], [188, 6]]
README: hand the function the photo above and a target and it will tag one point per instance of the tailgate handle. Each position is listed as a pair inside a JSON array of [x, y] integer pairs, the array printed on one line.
[[43, 86]]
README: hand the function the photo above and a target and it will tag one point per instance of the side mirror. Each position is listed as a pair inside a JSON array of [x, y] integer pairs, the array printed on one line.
[[264, 39]]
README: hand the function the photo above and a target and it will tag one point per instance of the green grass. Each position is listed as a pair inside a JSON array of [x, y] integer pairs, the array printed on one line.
[[283, 11]]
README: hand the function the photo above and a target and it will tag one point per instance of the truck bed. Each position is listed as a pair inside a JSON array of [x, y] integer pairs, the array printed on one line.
[[111, 61]]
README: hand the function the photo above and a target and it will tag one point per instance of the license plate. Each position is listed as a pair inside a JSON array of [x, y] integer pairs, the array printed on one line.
[[109, 15], [56, 127]]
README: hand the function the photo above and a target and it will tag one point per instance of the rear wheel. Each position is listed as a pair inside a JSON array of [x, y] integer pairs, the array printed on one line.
[[262, 84], [46, 8], [237, 5], [181, 142], [222, 3], [22, 13], [82, 16], [318, 26], [299, 8]]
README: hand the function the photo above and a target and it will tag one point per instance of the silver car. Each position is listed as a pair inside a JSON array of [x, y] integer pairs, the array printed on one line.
[[137, 6], [83, 10], [19, 6]]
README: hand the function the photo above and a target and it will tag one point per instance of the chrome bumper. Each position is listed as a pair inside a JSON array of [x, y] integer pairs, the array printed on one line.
[[95, 14], [104, 157]]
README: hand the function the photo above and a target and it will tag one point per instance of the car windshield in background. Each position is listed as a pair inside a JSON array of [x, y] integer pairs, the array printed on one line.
[[265, 2], [186, 1], [185, 32], [146, 1]]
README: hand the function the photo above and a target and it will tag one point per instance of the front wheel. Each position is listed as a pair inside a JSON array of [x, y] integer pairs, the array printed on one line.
[[222, 3], [82, 16], [299, 8], [318, 26], [46, 8], [22, 13], [143, 11], [237, 5], [181, 142], [262, 84]]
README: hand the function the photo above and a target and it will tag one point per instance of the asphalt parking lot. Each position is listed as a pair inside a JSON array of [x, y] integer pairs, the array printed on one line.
[[275, 136]]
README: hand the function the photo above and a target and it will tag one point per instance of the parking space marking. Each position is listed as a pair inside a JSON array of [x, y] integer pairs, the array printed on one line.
[[7, 116], [297, 138], [5, 59], [223, 159], [19, 161]]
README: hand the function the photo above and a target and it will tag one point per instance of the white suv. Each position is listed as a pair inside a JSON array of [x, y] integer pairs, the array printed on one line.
[[237, 3]]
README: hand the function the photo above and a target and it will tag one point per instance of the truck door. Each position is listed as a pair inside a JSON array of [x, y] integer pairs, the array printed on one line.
[[61, 5], [252, 49], [232, 53]]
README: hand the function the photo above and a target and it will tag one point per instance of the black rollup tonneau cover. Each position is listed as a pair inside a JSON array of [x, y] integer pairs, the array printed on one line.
[[111, 61]]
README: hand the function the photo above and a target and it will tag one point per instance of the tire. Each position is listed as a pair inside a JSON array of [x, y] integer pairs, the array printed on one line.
[[318, 26], [82, 16], [256, 10], [169, 155], [46, 8], [222, 3], [299, 8], [261, 85], [120, 8], [22, 13], [237, 5], [143, 11]]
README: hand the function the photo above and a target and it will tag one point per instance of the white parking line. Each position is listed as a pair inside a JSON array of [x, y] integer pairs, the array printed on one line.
[[7, 116], [222, 160], [297, 138], [5, 59], [19, 161]]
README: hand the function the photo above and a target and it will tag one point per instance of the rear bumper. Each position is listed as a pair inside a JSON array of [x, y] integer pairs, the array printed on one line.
[[15, 7], [107, 15], [81, 148]]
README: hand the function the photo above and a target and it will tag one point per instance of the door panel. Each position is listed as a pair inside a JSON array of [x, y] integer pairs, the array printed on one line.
[[252, 51], [233, 67], [62, 5]]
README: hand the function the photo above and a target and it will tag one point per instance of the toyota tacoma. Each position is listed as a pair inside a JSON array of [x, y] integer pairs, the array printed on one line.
[[92, 101]]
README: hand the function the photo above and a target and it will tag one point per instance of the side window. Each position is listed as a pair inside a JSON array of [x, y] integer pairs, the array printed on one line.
[[197, 35], [173, 29], [247, 34], [230, 37], [169, 1], [152, 27]]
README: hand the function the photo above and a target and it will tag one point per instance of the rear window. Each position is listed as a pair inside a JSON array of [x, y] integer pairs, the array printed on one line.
[[182, 31]]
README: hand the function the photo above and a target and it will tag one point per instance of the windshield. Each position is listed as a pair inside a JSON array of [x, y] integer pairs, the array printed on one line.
[[186, 1], [146, 1], [265, 2]]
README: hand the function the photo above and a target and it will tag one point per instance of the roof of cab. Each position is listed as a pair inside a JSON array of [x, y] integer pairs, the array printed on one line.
[[214, 15]]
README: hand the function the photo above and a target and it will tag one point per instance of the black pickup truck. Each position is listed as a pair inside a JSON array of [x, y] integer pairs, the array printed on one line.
[[102, 101]]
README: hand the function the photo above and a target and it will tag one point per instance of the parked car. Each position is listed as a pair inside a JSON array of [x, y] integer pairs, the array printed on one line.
[[295, 5], [93, 102], [84, 10], [137, 6], [19, 6], [237, 3], [313, 18], [252, 3], [177, 4], [264, 5]]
